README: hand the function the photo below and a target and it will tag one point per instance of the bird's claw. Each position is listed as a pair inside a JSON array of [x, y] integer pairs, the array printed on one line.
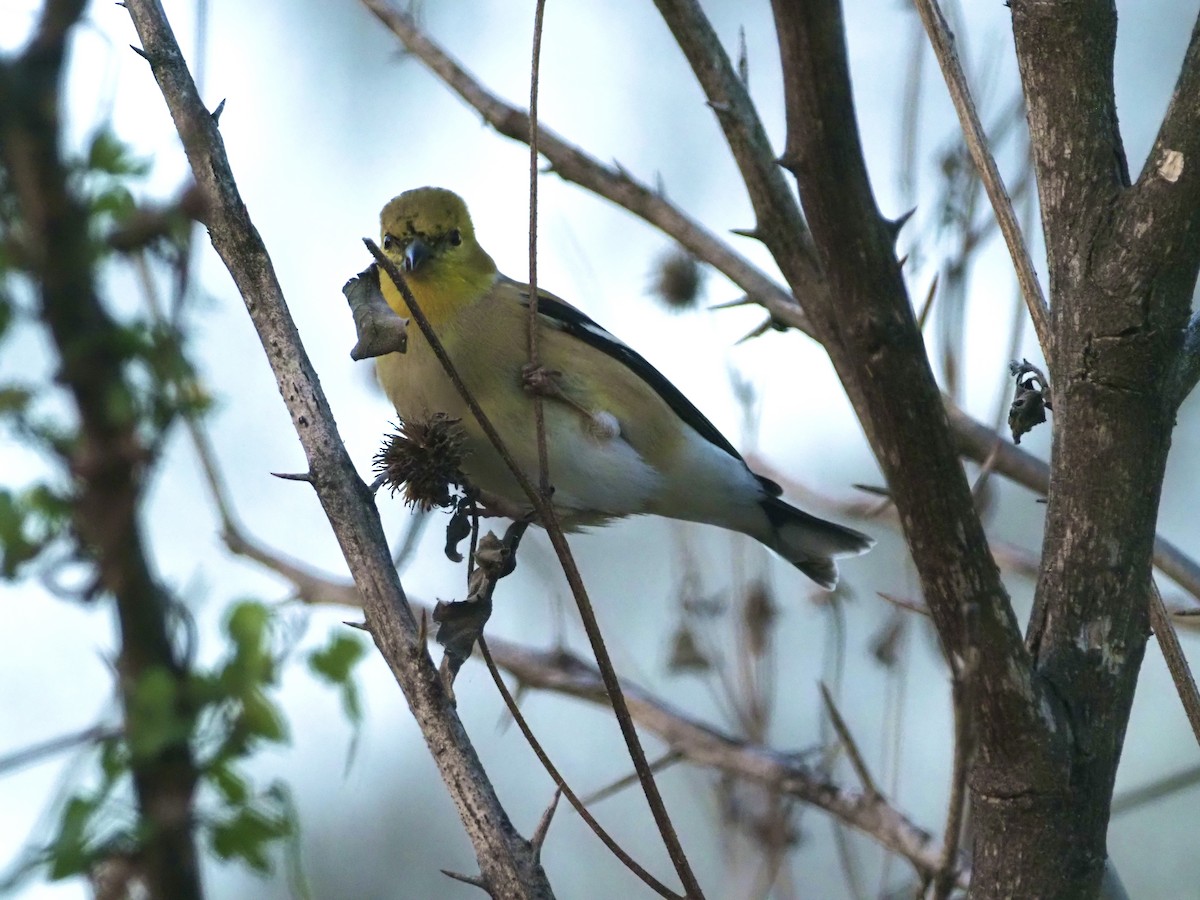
[[537, 379]]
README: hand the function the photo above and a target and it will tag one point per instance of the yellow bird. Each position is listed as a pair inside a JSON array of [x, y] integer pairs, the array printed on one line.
[[621, 439]]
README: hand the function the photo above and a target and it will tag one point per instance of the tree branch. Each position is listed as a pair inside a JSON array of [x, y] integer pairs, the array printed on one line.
[[879, 348], [1122, 264], [956, 81], [108, 458], [1067, 45], [1171, 176], [548, 517], [573, 165], [780, 225], [506, 861], [563, 672]]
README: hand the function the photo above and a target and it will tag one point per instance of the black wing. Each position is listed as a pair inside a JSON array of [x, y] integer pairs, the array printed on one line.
[[566, 317]]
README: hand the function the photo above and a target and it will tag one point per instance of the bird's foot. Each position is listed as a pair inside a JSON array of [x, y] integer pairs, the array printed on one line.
[[537, 379]]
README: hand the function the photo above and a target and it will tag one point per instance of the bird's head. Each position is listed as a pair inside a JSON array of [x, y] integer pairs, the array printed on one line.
[[427, 233]]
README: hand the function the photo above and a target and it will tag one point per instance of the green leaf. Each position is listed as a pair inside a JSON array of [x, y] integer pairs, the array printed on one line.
[[247, 836], [247, 624], [109, 154], [336, 660], [68, 853], [229, 784], [14, 399], [114, 761], [15, 546], [153, 718], [263, 719], [334, 664]]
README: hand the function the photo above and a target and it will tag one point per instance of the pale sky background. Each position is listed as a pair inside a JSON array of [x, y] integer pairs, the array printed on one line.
[[325, 120]]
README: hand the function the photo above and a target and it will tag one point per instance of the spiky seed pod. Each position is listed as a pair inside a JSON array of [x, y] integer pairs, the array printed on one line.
[[677, 280], [424, 459]]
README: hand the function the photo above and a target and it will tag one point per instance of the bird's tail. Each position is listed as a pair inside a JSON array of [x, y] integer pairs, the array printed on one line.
[[809, 543]]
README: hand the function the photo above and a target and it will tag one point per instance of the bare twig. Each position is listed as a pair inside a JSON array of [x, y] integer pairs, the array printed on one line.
[[561, 784], [1177, 664], [964, 746], [960, 93], [562, 672], [35, 753], [505, 859], [539, 417], [615, 787], [559, 671], [848, 744], [548, 518], [1156, 790], [779, 223], [611, 182]]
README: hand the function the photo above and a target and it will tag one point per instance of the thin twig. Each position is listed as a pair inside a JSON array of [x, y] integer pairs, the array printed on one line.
[[613, 788], [1177, 664], [960, 93], [1156, 790], [549, 521], [848, 744], [580, 807], [613, 183], [943, 882], [697, 743], [539, 417], [503, 855], [34, 753]]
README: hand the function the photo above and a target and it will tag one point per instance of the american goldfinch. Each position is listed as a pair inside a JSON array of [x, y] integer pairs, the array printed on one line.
[[621, 439]]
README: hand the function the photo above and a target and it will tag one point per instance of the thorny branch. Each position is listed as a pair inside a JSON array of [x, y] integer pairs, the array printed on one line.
[[573, 165], [548, 518], [560, 671], [508, 866]]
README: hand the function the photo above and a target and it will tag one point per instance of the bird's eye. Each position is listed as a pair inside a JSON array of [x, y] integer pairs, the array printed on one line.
[[455, 237], [388, 242]]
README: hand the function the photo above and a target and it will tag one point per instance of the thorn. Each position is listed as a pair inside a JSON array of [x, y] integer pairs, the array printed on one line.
[[476, 880], [720, 108], [539, 834], [732, 304], [216, 113], [377, 483], [296, 476], [751, 233], [757, 331], [789, 162], [873, 489], [894, 225], [361, 626], [138, 50]]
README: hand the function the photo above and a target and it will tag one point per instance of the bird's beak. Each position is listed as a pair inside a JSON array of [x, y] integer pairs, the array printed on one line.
[[416, 254]]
